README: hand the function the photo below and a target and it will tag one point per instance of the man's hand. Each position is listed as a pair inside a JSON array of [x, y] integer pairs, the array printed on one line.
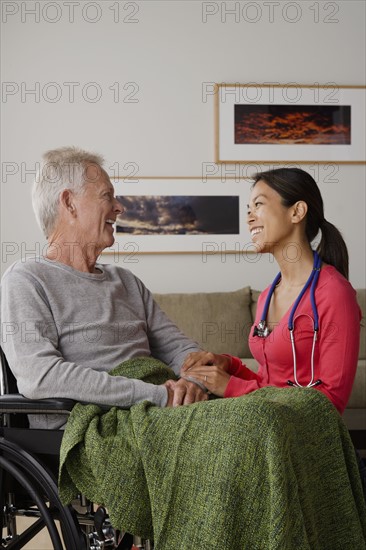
[[183, 392], [170, 387]]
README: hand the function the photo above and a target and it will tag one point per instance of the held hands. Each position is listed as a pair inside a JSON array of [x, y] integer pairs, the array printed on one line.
[[208, 368]]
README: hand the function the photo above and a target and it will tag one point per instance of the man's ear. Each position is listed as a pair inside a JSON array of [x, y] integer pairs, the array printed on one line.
[[66, 200], [299, 211]]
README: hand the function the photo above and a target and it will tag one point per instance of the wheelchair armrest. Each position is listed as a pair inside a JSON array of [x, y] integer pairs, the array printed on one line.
[[16, 403]]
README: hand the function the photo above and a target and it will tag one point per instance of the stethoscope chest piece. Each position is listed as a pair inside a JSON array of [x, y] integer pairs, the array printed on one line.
[[261, 330]]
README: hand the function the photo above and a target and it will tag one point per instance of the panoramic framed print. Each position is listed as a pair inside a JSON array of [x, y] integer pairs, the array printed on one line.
[[182, 216], [273, 123]]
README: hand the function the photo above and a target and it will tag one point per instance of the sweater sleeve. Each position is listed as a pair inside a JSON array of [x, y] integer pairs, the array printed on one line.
[[29, 337], [242, 379]]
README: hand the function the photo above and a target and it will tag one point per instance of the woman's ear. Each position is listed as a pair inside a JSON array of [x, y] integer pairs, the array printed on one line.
[[300, 209]]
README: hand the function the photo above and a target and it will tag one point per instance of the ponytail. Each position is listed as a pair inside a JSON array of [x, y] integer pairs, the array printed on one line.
[[332, 249]]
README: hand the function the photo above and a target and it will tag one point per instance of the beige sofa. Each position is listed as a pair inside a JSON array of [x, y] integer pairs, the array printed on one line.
[[221, 321]]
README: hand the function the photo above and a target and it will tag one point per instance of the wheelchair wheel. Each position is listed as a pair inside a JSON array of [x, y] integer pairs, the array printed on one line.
[[29, 489]]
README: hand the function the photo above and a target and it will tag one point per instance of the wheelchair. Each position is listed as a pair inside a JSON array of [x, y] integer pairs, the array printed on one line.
[[29, 460]]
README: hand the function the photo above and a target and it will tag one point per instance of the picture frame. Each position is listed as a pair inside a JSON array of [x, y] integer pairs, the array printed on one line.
[[290, 123], [182, 216]]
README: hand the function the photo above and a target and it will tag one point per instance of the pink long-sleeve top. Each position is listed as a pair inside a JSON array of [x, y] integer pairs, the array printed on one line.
[[336, 349]]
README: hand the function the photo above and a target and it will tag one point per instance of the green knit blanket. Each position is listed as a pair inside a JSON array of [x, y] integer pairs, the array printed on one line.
[[272, 470]]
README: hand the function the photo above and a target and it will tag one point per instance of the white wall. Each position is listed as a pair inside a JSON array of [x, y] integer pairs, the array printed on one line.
[[166, 56]]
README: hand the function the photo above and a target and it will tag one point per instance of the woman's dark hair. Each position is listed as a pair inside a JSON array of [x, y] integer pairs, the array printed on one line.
[[293, 185]]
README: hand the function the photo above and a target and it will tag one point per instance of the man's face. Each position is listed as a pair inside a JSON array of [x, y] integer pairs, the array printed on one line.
[[96, 210]]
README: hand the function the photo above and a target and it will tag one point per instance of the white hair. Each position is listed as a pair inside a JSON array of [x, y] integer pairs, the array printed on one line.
[[63, 168]]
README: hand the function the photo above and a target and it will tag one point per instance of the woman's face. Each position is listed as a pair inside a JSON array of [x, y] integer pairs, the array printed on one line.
[[269, 221], [97, 210]]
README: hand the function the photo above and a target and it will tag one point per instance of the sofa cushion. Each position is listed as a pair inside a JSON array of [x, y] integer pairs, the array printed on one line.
[[219, 321], [358, 395]]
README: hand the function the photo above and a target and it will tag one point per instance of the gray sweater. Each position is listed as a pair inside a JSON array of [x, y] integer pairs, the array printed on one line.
[[62, 330]]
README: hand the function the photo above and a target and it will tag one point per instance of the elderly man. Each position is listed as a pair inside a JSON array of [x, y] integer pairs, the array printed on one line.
[[72, 319]]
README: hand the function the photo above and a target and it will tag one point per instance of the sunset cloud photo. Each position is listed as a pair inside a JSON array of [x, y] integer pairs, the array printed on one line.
[[293, 124]]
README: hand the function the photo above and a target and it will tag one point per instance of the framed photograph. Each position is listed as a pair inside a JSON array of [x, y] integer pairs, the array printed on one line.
[[182, 216], [292, 123]]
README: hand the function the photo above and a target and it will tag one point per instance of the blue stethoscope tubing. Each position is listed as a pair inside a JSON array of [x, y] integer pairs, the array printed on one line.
[[263, 331]]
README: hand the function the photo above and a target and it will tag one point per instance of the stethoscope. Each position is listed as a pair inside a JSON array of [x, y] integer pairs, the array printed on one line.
[[262, 330]]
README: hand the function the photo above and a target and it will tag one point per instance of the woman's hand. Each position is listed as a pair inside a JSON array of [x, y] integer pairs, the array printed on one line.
[[199, 358], [214, 378], [208, 368]]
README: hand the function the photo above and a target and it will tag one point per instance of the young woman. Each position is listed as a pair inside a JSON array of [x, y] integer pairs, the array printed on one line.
[[307, 326]]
